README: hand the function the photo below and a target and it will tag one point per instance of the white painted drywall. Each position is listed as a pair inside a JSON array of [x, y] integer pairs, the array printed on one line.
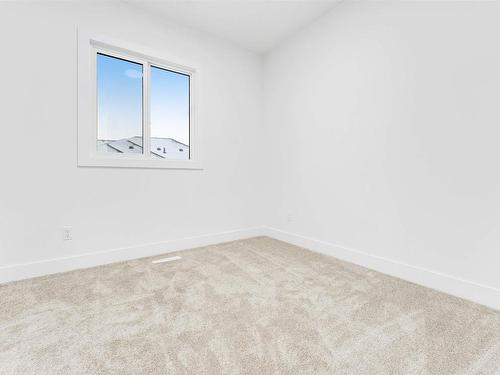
[[41, 187], [385, 124], [254, 24]]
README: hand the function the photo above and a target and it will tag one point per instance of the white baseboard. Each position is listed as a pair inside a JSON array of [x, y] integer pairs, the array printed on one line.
[[22, 271], [479, 293], [472, 291]]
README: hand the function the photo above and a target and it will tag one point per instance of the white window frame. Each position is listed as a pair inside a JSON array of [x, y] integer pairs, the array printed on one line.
[[88, 156]]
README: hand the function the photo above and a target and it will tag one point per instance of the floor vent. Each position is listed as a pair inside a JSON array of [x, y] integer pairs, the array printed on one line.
[[163, 260]]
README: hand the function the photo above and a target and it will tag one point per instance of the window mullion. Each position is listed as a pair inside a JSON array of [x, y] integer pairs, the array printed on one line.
[[146, 110]]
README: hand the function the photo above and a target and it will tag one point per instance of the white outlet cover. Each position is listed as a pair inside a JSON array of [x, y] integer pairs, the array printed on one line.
[[67, 234]]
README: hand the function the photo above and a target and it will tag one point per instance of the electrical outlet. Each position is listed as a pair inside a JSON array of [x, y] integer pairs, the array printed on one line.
[[67, 233], [289, 217]]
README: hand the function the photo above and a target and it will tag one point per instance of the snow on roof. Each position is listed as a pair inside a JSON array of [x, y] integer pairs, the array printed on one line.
[[163, 148]]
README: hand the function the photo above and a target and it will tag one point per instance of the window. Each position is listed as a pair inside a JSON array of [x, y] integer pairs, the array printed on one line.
[[134, 110], [169, 114], [119, 105]]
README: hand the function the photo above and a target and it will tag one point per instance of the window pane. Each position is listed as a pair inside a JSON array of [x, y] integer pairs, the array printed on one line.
[[119, 105], [169, 114]]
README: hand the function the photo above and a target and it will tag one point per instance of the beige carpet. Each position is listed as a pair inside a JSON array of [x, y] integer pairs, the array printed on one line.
[[257, 306]]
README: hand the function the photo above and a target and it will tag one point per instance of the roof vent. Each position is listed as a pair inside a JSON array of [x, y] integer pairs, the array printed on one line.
[[130, 147]]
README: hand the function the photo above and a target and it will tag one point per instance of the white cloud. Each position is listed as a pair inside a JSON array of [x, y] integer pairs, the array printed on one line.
[[132, 73]]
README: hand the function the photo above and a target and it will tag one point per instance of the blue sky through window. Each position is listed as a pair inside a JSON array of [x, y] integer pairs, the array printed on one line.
[[169, 105], [119, 96]]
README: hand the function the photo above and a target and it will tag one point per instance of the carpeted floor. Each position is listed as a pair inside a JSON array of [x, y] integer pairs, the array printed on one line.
[[256, 306]]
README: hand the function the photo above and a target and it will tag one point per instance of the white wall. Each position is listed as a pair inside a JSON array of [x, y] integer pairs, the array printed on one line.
[[385, 123], [42, 189]]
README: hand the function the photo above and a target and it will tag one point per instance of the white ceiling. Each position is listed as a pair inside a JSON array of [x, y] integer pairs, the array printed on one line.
[[255, 25]]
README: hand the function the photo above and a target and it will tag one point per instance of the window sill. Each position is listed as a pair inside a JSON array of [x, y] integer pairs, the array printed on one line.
[[139, 163]]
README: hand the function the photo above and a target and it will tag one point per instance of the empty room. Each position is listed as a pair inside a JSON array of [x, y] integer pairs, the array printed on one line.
[[250, 187]]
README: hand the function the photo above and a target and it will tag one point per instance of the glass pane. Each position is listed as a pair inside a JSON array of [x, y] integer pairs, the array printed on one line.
[[169, 114], [119, 105]]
